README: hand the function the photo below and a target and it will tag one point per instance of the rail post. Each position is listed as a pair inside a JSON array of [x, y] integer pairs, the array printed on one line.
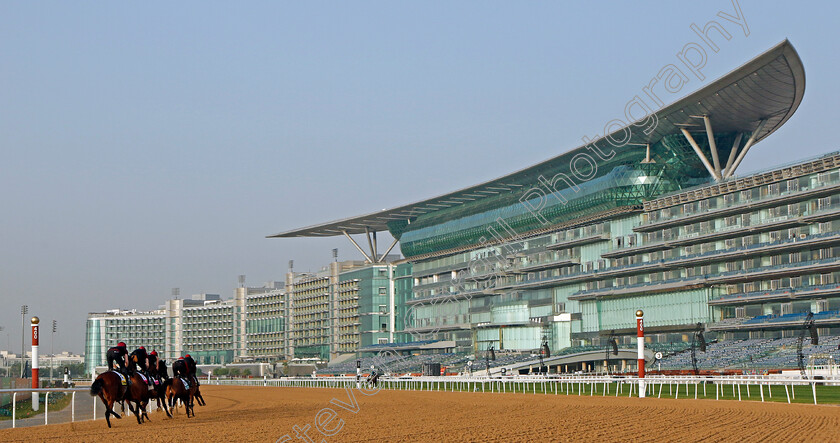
[[640, 335]]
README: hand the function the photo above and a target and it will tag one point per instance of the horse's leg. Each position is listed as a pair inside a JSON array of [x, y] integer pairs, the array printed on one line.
[[107, 409], [136, 410], [145, 413], [165, 408]]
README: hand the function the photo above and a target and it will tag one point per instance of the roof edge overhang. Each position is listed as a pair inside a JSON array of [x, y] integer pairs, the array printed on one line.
[[377, 221]]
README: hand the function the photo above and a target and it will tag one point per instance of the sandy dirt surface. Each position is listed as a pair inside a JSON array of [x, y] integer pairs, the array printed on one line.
[[267, 414]]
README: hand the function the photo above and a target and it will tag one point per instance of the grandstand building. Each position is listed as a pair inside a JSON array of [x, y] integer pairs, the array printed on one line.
[[651, 216]]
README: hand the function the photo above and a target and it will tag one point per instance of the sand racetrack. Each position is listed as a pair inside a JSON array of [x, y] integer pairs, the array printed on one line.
[[267, 414]]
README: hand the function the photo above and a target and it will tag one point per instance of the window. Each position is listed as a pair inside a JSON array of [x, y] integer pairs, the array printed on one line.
[[383, 291], [382, 341], [822, 305], [822, 178], [746, 195], [773, 189], [824, 203], [825, 227], [787, 308], [728, 199]]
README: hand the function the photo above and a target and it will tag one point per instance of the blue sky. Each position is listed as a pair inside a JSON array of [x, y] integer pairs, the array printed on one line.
[[152, 146]]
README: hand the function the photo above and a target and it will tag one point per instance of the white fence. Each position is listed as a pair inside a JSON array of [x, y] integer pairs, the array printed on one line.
[[739, 385], [48, 391]]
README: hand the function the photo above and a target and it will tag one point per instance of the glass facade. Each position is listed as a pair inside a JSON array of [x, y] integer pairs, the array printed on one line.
[[747, 256]]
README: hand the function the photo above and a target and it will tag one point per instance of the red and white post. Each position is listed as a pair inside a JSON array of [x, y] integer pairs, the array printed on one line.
[[35, 336], [640, 335]]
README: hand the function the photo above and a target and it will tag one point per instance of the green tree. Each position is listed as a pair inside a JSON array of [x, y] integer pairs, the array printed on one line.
[[246, 372], [221, 371]]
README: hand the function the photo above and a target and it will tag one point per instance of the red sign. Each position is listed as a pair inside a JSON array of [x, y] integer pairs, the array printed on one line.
[[34, 335]]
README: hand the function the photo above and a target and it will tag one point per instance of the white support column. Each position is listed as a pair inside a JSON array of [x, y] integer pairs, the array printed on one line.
[[387, 251], [732, 154], [367, 257], [391, 305], [747, 147], [700, 154], [374, 249], [710, 134], [370, 244]]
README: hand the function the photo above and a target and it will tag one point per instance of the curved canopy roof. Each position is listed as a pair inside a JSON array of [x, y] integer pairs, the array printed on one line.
[[768, 88]]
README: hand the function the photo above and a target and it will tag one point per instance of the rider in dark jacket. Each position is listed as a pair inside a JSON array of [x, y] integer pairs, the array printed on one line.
[[138, 358], [179, 368], [191, 368], [117, 354]]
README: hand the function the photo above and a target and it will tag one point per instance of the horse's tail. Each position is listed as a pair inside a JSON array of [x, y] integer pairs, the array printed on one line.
[[96, 387], [167, 383]]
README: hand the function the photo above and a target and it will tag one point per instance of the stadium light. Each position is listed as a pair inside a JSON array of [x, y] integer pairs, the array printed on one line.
[[24, 309], [489, 355], [809, 326]]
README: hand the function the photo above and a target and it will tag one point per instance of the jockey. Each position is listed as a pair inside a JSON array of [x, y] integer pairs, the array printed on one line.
[[191, 369], [117, 354], [179, 368], [138, 358], [152, 362]]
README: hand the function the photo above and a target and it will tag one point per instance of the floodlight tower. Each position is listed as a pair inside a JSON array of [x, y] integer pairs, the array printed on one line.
[[809, 326], [24, 309], [489, 355], [52, 348], [612, 346], [695, 339]]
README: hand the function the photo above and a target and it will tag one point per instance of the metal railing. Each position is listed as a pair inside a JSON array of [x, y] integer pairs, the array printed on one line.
[[48, 391], [741, 385]]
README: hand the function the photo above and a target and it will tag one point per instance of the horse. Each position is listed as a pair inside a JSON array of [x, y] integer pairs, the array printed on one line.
[[175, 390], [108, 386], [198, 392], [159, 391], [139, 394]]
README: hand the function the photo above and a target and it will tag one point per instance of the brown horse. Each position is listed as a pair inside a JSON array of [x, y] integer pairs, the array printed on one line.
[[175, 390], [160, 375], [139, 394], [108, 386]]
